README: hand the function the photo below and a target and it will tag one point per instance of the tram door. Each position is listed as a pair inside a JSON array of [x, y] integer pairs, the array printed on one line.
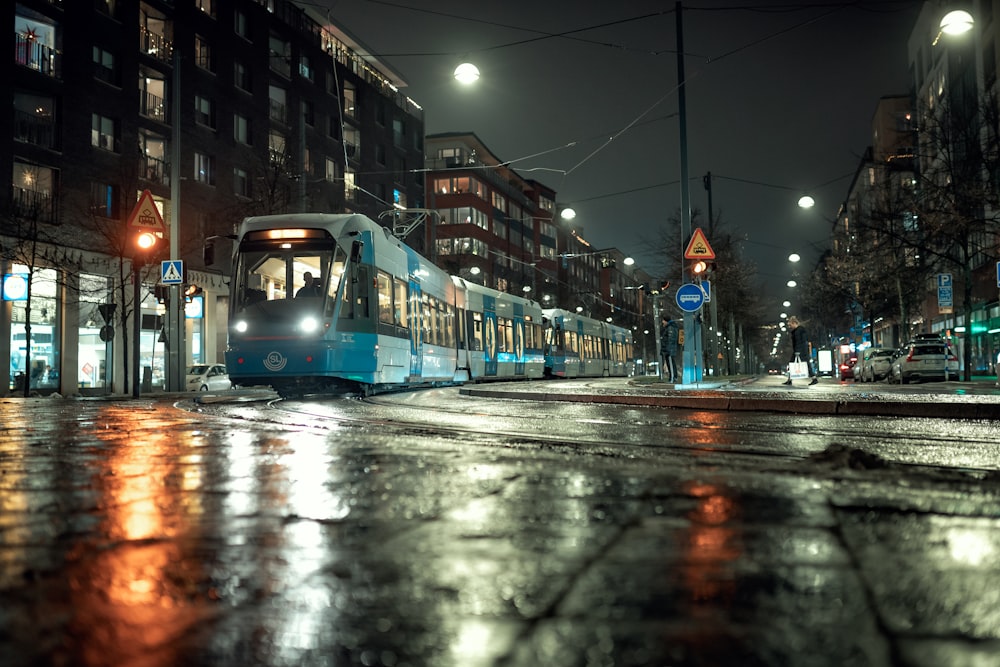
[[490, 335], [518, 339], [416, 331]]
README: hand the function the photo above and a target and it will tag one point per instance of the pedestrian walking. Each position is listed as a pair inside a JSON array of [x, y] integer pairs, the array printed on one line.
[[670, 340], [800, 348]]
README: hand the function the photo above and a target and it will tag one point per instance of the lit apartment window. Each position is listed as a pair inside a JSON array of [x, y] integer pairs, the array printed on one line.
[[240, 25], [204, 169], [203, 53], [241, 129], [350, 100], [206, 6], [104, 133], [106, 67], [352, 142], [241, 76], [280, 55], [350, 186], [332, 172], [276, 144], [204, 111], [241, 182]]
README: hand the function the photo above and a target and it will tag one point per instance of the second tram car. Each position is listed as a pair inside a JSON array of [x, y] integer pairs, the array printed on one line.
[[328, 302]]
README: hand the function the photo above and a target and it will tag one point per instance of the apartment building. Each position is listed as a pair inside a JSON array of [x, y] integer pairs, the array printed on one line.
[[220, 109], [494, 227]]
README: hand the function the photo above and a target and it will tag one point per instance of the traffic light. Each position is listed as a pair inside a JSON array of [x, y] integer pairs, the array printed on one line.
[[699, 267], [191, 291], [162, 293], [144, 243]]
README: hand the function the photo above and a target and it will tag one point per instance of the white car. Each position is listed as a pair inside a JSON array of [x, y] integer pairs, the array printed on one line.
[[208, 377], [873, 364], [923, 361]]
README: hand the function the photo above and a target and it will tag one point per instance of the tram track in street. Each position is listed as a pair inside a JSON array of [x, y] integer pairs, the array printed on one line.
[[732, 439]]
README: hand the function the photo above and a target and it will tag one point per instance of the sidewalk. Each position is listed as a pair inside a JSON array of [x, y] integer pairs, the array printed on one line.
[[979, 399]]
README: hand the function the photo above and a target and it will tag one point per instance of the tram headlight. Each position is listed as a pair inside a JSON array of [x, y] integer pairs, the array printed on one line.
[[240, 326], [309, 325]]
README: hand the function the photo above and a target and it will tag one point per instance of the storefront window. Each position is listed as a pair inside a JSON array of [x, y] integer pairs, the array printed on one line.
[[93, 352], [37, 359]]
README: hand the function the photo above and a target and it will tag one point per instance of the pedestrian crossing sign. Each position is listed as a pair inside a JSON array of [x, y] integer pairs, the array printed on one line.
[[172, 272]]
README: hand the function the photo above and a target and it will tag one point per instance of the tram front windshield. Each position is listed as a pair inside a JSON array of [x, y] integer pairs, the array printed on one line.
[[273, 272]]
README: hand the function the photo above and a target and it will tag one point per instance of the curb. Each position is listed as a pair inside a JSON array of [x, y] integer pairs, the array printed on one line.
[[724, 403]]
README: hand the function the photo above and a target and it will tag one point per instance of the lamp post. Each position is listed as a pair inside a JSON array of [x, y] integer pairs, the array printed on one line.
[[691, 370]]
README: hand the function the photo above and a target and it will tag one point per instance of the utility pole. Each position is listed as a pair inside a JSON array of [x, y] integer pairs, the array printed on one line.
[[691, 364]]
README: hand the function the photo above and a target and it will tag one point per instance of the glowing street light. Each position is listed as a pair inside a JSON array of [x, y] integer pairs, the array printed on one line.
[[791, 283], [794, 257], [466, 74], [957, 22], [805, 201], [567, 214]]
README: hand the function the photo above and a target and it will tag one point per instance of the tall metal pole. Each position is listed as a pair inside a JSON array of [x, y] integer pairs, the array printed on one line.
[[136, 326], [175, 322], [713, 305], [691, 363]]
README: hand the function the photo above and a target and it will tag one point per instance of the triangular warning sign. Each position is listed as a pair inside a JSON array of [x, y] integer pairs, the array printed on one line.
[[145, 215], [699, 248]]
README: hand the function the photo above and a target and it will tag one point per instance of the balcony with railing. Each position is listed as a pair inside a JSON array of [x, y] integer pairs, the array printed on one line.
[[155, 45], [155, 170], [33, 205], [279, 113], [31, 53], [33, 129], [153, 107]]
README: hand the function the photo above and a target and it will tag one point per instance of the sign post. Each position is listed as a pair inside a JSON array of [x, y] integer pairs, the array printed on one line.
[[699, 249]]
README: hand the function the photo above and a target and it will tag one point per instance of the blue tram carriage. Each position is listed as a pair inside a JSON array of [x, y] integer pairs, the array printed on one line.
[[378, 315], [579, 346]]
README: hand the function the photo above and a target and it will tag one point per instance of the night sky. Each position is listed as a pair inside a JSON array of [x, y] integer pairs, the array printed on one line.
[[780, 99]]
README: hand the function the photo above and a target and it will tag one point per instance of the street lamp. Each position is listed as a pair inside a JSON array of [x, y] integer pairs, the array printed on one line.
[[805, 201], [466, 74], [794, 257], [955, 23]]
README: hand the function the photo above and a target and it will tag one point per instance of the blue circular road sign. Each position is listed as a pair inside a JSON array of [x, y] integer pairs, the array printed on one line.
[[690, 297]]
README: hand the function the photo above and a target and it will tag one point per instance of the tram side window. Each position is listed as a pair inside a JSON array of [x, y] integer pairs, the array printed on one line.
[[532, 336], [442, 324], [504, 339], [428, 319], [384, 287], [354, 303], [476, 339], [401, 316], [451, 323], [571, 342]]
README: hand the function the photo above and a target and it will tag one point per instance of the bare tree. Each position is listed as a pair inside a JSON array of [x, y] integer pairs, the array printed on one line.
[[956, 201]]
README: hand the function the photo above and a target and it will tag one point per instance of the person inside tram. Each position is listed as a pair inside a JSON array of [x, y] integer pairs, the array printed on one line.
[[310, 286]]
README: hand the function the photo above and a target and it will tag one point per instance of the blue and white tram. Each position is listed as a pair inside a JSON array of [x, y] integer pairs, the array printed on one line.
[[578, 346], [377, 315]]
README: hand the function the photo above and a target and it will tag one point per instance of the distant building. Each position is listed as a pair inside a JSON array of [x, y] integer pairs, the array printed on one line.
[[496, 228]]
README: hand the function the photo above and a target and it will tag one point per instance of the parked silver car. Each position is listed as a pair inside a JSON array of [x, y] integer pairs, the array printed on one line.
[[873, 364], [208, 377], [921, 361]]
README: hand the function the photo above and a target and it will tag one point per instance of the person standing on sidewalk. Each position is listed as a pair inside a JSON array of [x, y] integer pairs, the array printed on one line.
[[670, 341], [800, 348]]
